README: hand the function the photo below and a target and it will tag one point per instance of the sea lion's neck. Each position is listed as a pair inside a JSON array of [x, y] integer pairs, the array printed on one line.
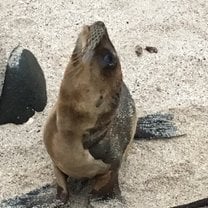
[[84, 104]]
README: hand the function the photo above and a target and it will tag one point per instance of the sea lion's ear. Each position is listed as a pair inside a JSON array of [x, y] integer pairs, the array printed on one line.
[[80, 44], [76, 51], [84, 35]]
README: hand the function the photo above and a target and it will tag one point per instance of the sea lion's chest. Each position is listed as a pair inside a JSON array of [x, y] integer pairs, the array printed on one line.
[[111, 145]]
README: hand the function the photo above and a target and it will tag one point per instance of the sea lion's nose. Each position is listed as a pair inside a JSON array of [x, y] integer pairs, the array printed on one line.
[[99, 24]]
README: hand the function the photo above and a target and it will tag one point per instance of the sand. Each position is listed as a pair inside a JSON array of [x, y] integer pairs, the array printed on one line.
[[160, 173]]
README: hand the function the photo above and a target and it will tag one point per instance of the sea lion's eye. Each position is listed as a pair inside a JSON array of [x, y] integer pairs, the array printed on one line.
[[109, 60]]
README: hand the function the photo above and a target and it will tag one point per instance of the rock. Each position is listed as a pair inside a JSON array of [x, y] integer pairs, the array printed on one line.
[[24, 88], [42, 197], [45, 197], [202, 203], [2, 66], [138, 50], [151, 49]]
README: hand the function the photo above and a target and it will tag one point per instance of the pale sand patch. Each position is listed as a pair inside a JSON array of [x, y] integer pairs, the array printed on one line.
[[159, 173]]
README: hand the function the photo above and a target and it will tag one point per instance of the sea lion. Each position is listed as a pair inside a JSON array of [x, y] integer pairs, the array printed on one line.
[[94, 119]]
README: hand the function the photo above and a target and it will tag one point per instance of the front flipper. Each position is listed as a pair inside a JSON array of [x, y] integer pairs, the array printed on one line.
[[107, 186], [62, 186]]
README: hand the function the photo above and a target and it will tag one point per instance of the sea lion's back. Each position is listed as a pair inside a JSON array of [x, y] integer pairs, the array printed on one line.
[[124, 124]]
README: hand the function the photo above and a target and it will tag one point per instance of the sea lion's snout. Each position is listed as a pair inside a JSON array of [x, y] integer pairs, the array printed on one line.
[[99, 42], [92, 35], [95, 52], [99, 24]]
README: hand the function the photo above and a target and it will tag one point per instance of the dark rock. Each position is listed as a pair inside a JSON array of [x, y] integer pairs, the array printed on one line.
[[138, 50], [151, 49], [42, 197], [202, 203], [45, 197], [24, 88]]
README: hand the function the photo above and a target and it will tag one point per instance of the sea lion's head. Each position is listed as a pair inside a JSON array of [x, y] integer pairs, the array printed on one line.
[[93, 77], [95, 52]]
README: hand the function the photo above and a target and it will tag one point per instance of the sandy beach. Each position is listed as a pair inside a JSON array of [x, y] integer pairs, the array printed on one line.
[[158, 173]]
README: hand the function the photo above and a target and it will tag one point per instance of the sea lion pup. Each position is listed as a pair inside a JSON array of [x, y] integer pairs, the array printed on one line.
[[94, 118]]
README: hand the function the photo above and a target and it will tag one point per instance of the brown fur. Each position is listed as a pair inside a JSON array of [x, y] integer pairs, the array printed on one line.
[[83, 115]]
